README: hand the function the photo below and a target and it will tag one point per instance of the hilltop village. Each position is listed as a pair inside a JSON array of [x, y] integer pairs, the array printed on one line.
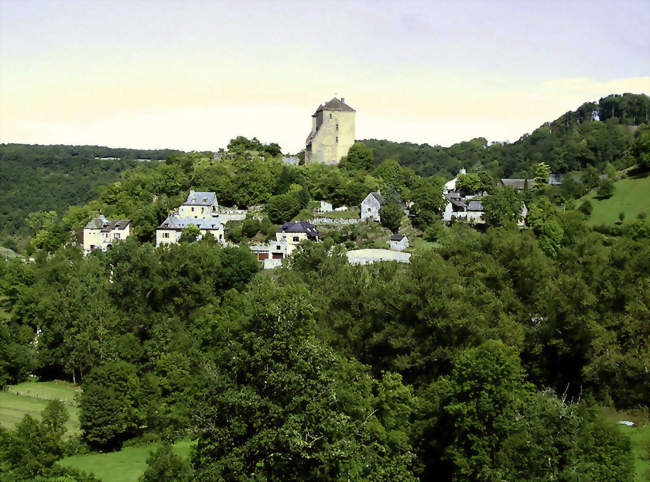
[[328, 143]]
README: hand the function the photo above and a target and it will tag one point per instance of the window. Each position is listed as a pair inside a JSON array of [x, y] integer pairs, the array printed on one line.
[[202, 209], [116, 236], [330, 115], [337, 126], [165, 235], [337, 139], [296, 239]]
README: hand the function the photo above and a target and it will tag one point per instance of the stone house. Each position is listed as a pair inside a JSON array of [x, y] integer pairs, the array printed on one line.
[[398, 242], [325, 207], [201, 209], [371, 205], [101, 233], [458, 207], [332, 132], [287, 239]]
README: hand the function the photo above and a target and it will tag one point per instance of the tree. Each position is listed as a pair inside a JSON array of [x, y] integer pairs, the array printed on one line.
[[502, 207], [190, 234], [605, 188], [360, 158], [586, 207], [469, 183], [108, 405], [280, 404], [164, 465], [427, 202], [391, 216], [542, 173]]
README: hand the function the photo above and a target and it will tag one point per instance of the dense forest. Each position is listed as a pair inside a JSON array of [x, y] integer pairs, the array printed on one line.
[[489, 357], [51, 178], [595, 134]]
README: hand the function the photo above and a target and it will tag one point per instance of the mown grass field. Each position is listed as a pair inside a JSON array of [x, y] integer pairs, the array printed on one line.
[[639, 438], [631, 196], [124, 466], [30, 398]]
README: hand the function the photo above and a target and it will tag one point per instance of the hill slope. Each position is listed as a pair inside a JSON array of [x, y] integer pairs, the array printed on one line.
[[631, 196], [51, 178]]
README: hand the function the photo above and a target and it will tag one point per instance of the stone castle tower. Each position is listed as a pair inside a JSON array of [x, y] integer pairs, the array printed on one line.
[[332, 132]]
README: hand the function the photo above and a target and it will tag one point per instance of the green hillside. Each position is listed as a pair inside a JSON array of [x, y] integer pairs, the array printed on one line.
[[631, 196]]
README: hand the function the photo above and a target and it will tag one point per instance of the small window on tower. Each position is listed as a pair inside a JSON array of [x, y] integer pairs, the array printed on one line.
[[330, 115], [337, 139], [337, 127]]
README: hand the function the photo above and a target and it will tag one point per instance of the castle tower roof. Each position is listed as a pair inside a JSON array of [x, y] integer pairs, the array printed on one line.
[[335, 105]]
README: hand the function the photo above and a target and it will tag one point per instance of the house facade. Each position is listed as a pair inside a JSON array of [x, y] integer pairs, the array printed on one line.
[[101, 233], [398, 242], [287, 239], [201, 209], [332, 132], [370, 206]]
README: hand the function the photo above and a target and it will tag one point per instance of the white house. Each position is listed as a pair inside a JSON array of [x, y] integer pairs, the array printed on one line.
[[199, 205], [371, 205], [101, 233], [201, 209], [459, 208], [369, 256], [450, 186], [287, 239], [325, 207], [398, 242], [171, 229]]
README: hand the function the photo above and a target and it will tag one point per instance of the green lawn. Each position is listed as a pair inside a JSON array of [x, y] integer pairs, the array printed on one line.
[[639, 437], [632, 196], [126, 465], [55, 390], [14, 407]]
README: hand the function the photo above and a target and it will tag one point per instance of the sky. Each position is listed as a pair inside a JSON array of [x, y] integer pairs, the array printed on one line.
[[193, 74]]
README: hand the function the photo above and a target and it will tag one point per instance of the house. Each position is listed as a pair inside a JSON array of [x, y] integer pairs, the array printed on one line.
[[332, 132], [371, 205], [199, 205], [171, 229], [398, 242], [458, 207], [101, 233], [518, 184], [325, 207], [450, 186], [287, 239], [201, 209], [369, 256]]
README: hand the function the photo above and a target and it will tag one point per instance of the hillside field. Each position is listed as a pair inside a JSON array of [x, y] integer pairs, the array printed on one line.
[[30, 398], [632, 196], [125, 465]]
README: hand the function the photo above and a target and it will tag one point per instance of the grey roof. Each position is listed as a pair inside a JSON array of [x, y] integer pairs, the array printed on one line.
[[518, 183], [555, 179], [299, 227], [177, 222], [397, 237], [377, 195], [107, 225], [292, 160], [455, 200], [199, 198], [475, 206], [335, 105]]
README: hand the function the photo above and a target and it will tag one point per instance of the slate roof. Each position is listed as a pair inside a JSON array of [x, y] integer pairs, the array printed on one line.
[[397, 237], [335, 105], [199, 198], [106, 225], [177, 222], [299, 227], [518, 183], [555, 179], [455, 199], [475, 206], [377, 195]]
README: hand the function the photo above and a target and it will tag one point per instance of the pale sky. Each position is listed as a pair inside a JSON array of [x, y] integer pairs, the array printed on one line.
[[193, 74]]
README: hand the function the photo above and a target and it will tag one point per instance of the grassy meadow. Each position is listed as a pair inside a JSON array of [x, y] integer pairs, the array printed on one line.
[[30, 398], [631, 196], [639, 436], [125, 465]]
